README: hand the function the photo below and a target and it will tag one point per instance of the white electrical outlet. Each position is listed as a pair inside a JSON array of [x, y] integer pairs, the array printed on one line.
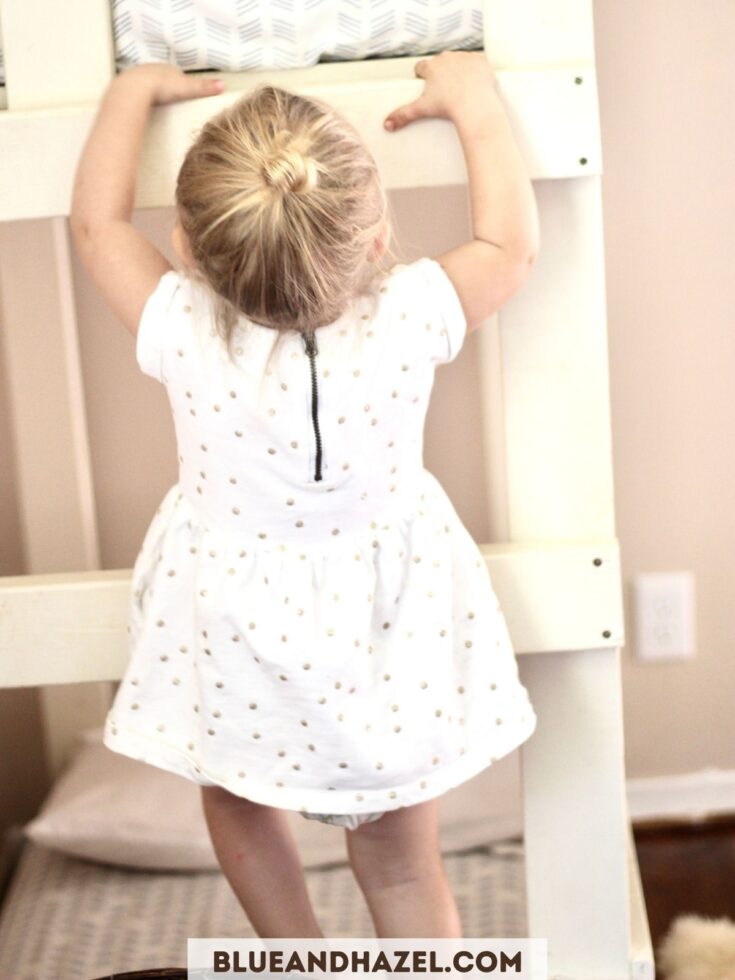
[[664, 615]]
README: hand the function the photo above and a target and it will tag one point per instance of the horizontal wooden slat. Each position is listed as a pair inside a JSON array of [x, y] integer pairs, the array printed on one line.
[[555, 597], [63, 627], [66, 627], [555, 119]]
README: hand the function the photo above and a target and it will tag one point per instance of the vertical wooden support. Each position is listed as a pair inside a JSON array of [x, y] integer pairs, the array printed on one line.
[[553, 345], [50, 58], [539, 33], [576, 830], [490, 369], [40, 331], [560, 486], [555, 367]]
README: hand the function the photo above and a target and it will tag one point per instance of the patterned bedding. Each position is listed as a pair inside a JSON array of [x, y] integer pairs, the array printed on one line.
[[71, 919], [246, 35]]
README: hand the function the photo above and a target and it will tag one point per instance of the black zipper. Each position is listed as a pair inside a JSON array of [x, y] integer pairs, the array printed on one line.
[[312, 351]]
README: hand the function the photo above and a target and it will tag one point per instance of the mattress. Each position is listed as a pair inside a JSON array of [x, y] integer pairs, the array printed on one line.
[[71, 919], [247, 35]]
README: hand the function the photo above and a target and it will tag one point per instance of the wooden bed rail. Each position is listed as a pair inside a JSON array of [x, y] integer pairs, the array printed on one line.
[[554, 112], [71, 626]]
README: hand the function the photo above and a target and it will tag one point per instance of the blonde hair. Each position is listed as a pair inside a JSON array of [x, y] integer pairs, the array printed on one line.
[[281, 203]]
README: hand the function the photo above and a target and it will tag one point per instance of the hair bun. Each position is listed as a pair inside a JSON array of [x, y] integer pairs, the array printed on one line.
[[291, 171]]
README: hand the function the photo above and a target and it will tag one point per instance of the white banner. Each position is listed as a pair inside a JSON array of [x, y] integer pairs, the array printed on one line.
[[314, 959]]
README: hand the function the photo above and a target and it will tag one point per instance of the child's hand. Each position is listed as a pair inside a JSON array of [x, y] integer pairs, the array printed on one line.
[[170, 84], [454, 81]]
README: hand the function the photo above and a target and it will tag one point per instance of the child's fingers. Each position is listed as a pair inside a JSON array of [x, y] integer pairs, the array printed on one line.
[[419, 69], [404, 115], [413, 110], [209, 86], [194, 87], [178, 87]]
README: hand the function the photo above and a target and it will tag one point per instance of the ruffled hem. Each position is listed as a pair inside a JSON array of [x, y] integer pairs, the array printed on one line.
[[157, 752]]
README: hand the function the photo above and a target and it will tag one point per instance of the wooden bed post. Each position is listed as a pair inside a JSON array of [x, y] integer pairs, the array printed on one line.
[[50, 58], [559, 486], [51, 62]]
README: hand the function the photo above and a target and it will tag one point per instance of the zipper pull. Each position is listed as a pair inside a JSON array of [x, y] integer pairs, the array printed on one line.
[[310, 343]]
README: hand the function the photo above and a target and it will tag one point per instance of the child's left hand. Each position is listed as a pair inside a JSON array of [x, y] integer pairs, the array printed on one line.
[[168, 83]]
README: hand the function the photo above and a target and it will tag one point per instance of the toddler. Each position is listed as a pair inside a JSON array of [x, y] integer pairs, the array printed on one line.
[[312, 627]]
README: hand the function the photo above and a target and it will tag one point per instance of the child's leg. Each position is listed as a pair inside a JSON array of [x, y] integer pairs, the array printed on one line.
[[258, 855], [398, 865]]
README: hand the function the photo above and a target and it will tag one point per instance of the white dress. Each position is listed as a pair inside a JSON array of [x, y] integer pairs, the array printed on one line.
[[327, 645]]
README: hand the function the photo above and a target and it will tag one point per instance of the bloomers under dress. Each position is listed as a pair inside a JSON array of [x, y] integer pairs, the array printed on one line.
[[311, 626]]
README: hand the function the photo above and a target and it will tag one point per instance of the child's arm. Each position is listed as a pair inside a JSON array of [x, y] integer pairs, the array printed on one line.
[[124, 265], [486, 271]]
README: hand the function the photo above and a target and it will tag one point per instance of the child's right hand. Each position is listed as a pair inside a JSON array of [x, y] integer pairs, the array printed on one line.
[[454, 81], [167, 83], [488, 269]]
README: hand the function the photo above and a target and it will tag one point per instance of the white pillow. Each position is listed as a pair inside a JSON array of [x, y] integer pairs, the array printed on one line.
[[107, 807], [110, 808], [213, 34], [221, 35]]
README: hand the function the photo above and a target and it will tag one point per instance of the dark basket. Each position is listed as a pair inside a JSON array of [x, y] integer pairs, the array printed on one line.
[[171, 972]]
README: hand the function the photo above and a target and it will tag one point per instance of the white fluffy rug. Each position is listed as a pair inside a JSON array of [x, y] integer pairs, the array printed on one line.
[[699, 949]]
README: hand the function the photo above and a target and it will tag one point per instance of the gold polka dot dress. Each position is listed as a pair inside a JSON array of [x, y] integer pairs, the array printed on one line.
[[311, 626]]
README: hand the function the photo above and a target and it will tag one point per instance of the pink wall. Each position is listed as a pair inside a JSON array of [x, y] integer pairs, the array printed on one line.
[[666, 76]]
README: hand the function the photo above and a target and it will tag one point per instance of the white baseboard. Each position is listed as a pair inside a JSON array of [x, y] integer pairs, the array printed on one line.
[[689, 796]]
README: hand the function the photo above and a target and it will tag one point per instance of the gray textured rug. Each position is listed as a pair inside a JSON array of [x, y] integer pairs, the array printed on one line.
[[71, 919]]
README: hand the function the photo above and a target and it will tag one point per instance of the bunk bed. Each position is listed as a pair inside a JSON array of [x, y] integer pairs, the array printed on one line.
[[543, 374]]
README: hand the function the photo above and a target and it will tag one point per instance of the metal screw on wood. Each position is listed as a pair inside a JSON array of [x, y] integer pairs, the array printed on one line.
[[597, 561], [578, 80], [607, 634]]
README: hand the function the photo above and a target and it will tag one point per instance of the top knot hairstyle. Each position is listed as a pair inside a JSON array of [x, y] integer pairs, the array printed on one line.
[[281, 203]]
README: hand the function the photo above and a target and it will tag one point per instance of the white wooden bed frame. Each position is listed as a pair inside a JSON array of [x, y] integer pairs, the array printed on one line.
[[546, 437]]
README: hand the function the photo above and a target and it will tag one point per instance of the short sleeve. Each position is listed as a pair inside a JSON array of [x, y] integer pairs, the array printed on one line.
[[432, 307], [154, 325]]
